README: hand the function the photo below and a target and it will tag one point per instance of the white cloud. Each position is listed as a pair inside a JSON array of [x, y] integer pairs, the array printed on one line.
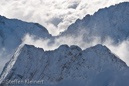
[[55, 15], [121, 50]]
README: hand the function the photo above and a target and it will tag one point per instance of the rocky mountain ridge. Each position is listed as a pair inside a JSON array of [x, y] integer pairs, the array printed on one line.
[[66, 65]]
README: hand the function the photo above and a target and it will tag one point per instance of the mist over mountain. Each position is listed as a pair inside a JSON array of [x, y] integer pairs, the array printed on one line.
[[12, 32], [108, 26], [96, 50], [108, 22]]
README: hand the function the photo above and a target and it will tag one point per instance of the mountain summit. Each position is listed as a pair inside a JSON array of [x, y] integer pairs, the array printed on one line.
[[12, 31], [108, 22], [66, 66]]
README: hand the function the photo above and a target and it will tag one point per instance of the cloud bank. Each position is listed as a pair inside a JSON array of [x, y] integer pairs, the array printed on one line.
[[55, 15]]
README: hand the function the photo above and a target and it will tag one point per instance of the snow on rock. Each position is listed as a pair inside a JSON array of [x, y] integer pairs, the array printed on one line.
[[108, 22], [12, 32], [66, 66]]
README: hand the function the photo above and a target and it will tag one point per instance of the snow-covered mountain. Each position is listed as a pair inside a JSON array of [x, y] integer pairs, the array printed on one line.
[[66, 66], [108, 26], [12, 31], [112, 22]]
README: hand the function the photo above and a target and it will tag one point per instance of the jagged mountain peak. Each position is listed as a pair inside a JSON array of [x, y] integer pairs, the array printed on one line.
[[72, 47], [14, 32], [100, 46], [102, 51], [63, 46], [64, 63], [26, 46], [109, 22], [122, 5], [15, 23]]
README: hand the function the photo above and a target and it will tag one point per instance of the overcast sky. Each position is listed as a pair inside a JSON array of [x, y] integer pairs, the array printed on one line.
[[55, 15]]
